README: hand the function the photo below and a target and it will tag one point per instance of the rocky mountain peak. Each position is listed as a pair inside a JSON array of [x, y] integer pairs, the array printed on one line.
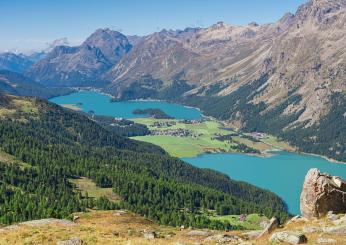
[[287, 19], [319, 9], [113, 44], [253, 23], [219, 25]]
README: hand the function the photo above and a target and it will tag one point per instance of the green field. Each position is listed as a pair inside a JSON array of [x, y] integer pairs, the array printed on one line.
[[203, 139]]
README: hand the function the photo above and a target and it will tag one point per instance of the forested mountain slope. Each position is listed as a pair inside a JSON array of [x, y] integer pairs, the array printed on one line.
[[17, 84], [58, 144]]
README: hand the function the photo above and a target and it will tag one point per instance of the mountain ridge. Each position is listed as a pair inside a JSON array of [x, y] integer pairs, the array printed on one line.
[[302, 56]]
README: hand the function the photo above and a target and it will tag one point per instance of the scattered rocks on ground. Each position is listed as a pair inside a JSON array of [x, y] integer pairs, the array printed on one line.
[[311, 229], [72, 241], [322, 193], [273, 224], [252, 234], [10, 228], [198, 233], [291, 237], [222, 238], [246, 243], [323, 240], [336, 230]]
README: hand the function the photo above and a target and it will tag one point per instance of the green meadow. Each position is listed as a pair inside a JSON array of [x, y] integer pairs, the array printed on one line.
[[202, 139]]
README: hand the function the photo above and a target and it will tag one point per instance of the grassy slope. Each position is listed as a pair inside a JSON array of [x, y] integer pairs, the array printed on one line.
[[86, 185], [191, 146], [252, 221], [117, 227]]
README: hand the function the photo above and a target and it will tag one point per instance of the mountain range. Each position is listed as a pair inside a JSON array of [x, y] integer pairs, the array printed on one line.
[[287, 75]]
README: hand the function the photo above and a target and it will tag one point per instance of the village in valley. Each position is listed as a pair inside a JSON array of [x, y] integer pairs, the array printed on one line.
[[205, 135]]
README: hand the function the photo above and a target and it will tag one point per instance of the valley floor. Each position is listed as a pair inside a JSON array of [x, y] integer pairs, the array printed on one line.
[[191, 138]]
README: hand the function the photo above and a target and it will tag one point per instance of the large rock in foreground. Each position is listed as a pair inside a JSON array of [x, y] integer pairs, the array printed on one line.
[[322, 193], [290, 237]]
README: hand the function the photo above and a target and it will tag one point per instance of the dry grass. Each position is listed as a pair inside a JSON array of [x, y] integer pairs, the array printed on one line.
[[100, 227], [7, 158], [119, 227], [87, 185]]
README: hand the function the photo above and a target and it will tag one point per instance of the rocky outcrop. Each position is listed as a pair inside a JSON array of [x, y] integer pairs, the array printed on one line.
[[273, 224], [149, 234], [288, 237], [322, 193]]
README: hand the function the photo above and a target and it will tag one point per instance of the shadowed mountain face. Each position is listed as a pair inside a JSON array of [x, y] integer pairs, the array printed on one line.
[[82, 65], [17, 84], [13, 62]]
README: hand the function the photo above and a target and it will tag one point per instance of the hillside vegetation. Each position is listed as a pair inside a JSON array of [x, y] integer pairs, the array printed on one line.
[[60, 145]]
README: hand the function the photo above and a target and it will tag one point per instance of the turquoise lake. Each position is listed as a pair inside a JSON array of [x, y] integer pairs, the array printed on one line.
[[101, 105], [283, 173]]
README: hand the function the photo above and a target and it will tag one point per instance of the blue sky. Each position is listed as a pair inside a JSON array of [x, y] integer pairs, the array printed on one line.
[[31, 24]]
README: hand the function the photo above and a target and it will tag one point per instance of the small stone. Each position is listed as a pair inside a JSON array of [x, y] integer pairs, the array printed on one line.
[[119, 213], [289, 237], [323, 240], [149, 234], [71, 241], [75, 218], [331, 216]]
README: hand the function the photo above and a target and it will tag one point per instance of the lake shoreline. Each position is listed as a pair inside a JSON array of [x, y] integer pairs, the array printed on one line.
[[262, 154]]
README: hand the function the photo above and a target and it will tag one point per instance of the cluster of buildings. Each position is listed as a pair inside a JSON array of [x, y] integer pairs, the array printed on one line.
[[179, 132], [258, 135], [163, 124]]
